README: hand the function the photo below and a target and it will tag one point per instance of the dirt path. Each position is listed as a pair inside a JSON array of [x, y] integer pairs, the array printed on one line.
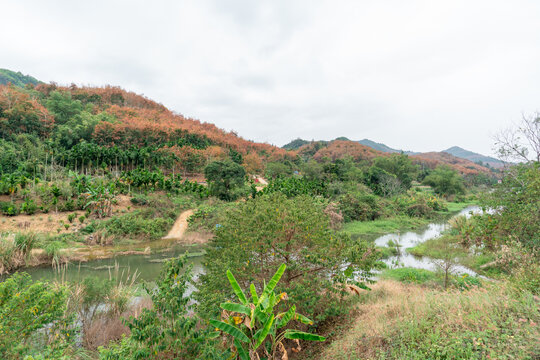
[[262, 183], [180, 226]]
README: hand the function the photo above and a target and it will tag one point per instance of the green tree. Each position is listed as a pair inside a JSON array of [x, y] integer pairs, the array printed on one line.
[[399, 165], [262, 233], [33, 319], [224, 177], [517, 199], [445, 181], [63, 106]]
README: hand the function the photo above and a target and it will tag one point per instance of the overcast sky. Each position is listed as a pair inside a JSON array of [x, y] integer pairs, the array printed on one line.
[[416, 75]]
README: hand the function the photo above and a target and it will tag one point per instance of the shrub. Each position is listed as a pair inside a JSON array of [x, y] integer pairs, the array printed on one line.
[[29, 207], [71, 217], [9, 208], [362, 207], [33, 318], [166, 330], [413, 275], [257, 326]]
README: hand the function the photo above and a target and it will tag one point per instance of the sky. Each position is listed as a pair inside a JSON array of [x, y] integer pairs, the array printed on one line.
[[415, 75]]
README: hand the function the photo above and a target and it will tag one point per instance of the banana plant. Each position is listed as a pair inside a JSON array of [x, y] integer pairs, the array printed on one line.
[[257, 329]]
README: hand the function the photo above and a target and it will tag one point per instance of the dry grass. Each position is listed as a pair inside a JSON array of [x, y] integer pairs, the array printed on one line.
[[52, 222], [402, 321], [110, 327]]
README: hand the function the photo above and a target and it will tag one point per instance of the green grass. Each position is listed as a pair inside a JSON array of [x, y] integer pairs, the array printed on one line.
[[455, 207], [383, 226], [409, 275]]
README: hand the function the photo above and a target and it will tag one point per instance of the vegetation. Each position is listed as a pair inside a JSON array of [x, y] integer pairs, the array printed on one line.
[[256, 327], [110, 168], [262, 233]]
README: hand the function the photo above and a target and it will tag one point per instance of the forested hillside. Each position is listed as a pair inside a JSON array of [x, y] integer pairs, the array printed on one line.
[[88, 129], [16, 78]]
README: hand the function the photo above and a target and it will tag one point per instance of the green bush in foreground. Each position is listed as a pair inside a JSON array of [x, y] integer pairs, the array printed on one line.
[[32, 319]]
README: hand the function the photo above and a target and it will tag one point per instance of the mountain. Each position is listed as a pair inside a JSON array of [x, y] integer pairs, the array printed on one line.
[[463, 166], [378, 146], [474, 157], [382, 147], [16, 78]]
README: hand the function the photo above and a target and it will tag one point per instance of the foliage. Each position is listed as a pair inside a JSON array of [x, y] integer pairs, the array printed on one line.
[[517, 202], [401, 166], [223, 178], [261, 233], [257, 326], [99, 198], [360, 206], [33, 319], [166, 330], [445, 181], [294, 186]]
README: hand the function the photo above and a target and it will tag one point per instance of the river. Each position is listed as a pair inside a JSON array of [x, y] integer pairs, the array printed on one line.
[[148, 266]]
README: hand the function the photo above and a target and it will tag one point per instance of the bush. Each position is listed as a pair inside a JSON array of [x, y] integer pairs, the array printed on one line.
[[259, 234], [166, 330], [362, 207], [33, 319], [29, 207], [9, 208]]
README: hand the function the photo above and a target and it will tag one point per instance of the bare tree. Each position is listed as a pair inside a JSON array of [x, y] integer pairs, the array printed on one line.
[[521, 143]]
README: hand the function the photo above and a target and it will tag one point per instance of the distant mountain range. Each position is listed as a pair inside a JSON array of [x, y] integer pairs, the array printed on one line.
[[442, 156], [16, 78]]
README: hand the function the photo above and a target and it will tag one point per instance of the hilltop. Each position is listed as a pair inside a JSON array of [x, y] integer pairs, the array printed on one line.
[[16, 78], [474, 157]]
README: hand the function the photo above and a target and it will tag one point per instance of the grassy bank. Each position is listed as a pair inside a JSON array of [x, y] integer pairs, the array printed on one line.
[[458, 206], [383, 226], [407, 321]]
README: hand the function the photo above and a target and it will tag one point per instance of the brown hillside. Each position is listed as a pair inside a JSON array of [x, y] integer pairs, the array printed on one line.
[[339, 149], [465, 167]]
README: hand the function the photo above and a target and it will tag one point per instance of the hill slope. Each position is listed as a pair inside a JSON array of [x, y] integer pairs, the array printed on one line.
[[474, 157], [16, 78], [89, 128]]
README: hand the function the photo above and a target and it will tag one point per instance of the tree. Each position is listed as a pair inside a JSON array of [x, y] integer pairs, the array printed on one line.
[[166, 330], [521, 143], [445, 181], [33, 318], [399, 165], [224, 177], [262, 233]]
